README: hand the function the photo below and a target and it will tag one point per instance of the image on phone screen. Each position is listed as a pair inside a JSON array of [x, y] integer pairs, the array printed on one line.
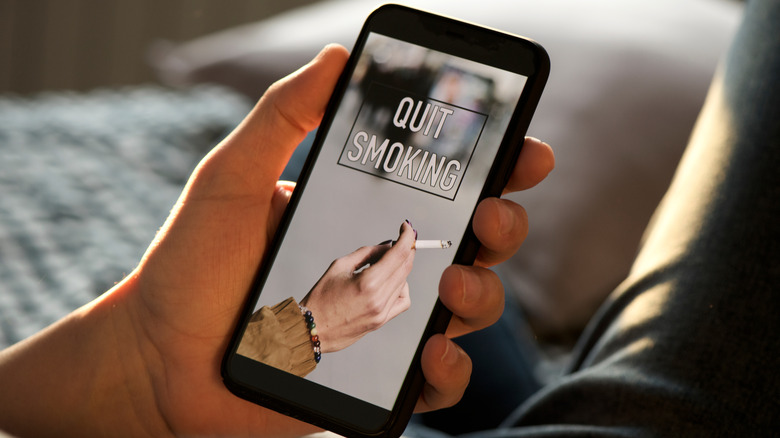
[[413, 138]]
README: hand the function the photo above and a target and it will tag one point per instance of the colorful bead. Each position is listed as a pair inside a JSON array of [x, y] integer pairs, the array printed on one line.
[[308, 317]]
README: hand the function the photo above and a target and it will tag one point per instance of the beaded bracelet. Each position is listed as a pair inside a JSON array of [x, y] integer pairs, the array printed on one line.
[[312, 327]]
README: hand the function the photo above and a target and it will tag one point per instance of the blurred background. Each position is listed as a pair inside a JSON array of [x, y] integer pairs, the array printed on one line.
[[84, 44], [106, 106]]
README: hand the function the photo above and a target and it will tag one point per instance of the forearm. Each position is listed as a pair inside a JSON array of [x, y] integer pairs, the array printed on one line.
[[70, 379]]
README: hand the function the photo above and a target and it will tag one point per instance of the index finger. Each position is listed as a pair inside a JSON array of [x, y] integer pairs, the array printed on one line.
[[394, 264]]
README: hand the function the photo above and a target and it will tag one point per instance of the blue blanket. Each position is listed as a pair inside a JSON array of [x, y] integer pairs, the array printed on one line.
[[85, 182]]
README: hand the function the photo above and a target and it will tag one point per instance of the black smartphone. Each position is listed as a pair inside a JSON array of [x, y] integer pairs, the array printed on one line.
[[427, 119]]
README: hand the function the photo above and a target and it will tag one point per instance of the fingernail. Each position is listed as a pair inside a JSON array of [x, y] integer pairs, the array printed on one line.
[[537, 140], [470, 295], [410, 224], [506, 220], [451, 354]]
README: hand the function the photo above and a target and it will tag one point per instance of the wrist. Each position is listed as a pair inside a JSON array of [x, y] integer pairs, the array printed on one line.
[[75, 377], [311, 326]]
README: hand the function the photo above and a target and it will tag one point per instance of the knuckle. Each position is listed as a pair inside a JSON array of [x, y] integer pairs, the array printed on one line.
[[374, 310], [406, 303]]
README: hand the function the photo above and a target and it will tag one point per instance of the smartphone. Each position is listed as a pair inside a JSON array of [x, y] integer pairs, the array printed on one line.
[[427, 119]]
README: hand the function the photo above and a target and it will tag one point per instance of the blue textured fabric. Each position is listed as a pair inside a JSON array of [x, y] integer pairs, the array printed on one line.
[[687, 345], [86, 179]]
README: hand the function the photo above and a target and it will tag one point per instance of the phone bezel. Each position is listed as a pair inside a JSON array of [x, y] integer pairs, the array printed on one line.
[[317, 404]]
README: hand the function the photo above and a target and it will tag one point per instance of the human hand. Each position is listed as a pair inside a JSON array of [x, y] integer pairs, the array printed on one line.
[[474, 294], [348, 305], [144, 358]]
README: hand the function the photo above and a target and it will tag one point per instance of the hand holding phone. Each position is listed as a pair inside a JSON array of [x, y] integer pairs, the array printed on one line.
[[426, 121], [146, 353]]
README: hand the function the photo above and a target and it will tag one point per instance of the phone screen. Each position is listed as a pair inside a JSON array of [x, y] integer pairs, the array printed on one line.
[[413, 138]]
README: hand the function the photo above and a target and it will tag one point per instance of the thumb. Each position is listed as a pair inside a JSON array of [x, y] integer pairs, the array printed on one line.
[[230, 196], [250, 160]]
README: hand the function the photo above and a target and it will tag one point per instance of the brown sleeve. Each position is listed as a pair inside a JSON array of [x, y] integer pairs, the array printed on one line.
[[278, 336]]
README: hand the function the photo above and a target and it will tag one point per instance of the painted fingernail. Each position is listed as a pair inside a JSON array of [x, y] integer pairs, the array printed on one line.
[[410, 224]]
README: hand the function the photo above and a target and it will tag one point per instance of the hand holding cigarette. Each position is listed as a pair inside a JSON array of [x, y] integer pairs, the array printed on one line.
[[362, 291]]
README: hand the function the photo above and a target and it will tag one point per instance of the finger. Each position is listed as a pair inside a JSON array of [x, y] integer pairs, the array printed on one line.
[[291, 108], [399, 302], [447, 370], [406, 234], [394, 266], [501, 226], [281, 198], [474, 295], [379, 251], [536, 161], [253, 156], [359, 258], [388, 280], [402, 259]]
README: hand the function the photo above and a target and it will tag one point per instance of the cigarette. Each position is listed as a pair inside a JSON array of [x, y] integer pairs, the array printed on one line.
[[432, 244]]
